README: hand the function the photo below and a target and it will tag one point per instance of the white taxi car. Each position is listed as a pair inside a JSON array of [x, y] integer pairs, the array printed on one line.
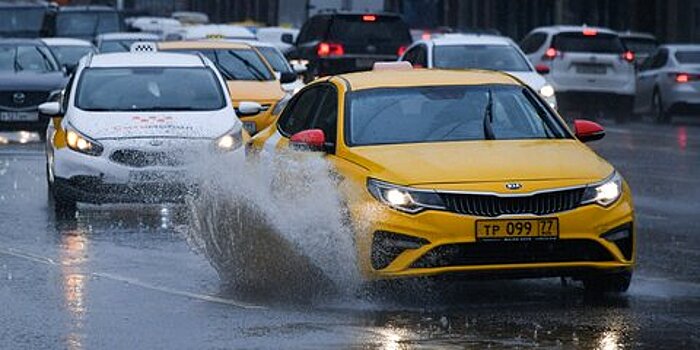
[[130, 126]]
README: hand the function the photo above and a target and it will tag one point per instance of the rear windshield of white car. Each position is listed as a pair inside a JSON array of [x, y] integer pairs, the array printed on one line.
[[493, 57], [594, 43], [688, 57], [149, 89], [446, 114]]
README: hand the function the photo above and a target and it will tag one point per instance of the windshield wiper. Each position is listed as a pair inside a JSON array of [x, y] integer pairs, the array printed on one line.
[[488, 117], [225, 72], [251, 68]]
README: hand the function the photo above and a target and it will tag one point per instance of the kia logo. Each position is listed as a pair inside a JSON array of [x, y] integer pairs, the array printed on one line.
[[19, 98], [514, 186]]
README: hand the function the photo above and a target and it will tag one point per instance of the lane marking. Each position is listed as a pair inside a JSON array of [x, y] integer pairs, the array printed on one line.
[[133, 281]]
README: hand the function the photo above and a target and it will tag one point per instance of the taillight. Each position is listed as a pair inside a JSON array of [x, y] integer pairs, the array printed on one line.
[[551, 54], [683, 78], [590, 32], [330, 49], [369, 18], [628, 56], [402, 50]]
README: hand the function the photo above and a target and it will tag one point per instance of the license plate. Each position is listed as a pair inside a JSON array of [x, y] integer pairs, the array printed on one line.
[[19, 116], [591, 69], [364, 62], [155, 176], [517, 229]]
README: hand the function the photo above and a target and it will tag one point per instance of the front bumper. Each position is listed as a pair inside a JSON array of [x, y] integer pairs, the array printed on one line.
[[92, 189], [436, 242]]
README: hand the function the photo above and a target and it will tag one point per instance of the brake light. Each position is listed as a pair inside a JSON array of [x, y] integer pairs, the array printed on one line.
[[426, 36], [402, 50], [628, 56], [330, 49], [682, 78], [551, 53], [590, 32], [369, 18]]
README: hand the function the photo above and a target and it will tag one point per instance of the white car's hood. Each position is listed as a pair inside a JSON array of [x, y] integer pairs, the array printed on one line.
[[119, 125], [532, 79]]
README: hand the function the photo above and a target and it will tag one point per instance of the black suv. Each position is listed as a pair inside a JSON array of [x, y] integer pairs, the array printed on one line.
[[29, 76], [82, 22], [335, 43]]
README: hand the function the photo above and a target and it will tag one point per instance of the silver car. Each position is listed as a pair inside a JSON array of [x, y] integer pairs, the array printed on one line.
[[668, 83], [589, 68]]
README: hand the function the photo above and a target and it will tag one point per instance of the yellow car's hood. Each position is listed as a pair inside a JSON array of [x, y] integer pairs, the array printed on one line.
[[481, 161], [255, 91]]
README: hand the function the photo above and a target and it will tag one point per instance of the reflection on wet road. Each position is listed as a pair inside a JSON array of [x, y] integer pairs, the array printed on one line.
[[126, 277]]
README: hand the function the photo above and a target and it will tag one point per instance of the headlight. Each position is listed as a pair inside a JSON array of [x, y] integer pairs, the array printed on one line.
[[547, 91], [604, 193], [230, 141], [83, 144], [405, 199]]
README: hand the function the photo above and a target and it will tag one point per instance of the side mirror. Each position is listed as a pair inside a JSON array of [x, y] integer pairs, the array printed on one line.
[[542, 69], [288, 77], [309, 140], [299, 68], [586, 130], [246, 109], [50, 109], [287, 38]]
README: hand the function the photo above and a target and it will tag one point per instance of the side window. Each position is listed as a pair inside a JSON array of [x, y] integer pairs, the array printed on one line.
[[327, 116], [297, 116], [65, 95], [417, 56], [533, 42], [662, 59]]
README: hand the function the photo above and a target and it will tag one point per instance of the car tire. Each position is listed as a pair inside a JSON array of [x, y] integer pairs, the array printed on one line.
[[601, 283], [63, 207], [657, 106]]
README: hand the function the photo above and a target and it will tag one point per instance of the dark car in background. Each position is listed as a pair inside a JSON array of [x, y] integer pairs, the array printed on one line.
[[29, 76], [22, 19], [335, 43], [82, 22]]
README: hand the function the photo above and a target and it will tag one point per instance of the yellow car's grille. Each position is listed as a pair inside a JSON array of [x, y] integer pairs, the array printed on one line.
[[489, 205]]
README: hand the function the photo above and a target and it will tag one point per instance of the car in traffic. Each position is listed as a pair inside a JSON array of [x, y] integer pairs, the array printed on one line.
[[29, 76], [279, 64], [248, 76], [469, 51], [642, 44], [210, 31], [82, 22], [121, 42], [589, 68], [22, 19], [668, 83], [458, 172], [341, 42], [129, 125], [69, 51]]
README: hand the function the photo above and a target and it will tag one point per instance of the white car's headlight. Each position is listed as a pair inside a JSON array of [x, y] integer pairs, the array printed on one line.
[[547, 91], [405, 199], [230, 141], [81, 143], [604, 193]]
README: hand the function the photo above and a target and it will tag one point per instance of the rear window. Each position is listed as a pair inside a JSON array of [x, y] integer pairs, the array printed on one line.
[[369, 29], [688, 57], [598, 43], [493, 57], [640, 45]]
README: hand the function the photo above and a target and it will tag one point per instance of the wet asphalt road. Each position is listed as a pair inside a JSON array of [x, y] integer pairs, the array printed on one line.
[[125, 277]]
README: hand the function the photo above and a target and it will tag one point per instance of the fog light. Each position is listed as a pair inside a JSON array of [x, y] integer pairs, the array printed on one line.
[[387, 246], [622, 237]]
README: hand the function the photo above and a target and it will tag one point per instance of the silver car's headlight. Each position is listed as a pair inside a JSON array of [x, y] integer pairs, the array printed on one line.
[[405, 199], [605, 192], [81, 143], [547, 91], [230, 141]]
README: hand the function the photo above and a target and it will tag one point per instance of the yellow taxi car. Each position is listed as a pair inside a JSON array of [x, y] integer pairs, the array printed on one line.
[[463, 172], [254, 87]]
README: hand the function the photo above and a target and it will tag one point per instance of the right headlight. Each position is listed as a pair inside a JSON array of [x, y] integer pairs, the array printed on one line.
[[230, 141], [605, 192], [82, 144], [404, 199], [547, 90]]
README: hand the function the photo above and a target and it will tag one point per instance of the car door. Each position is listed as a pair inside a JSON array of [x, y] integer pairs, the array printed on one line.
[[647, 79]]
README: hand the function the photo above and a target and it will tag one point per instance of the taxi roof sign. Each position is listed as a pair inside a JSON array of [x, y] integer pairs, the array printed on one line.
[[394, 66], [143, 47]]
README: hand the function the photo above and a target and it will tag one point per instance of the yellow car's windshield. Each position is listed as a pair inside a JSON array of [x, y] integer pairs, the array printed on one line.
[[448, 113]]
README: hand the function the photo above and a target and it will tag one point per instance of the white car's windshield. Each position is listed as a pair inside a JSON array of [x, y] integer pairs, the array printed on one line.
[[448, 113], [149, 89], [493, 57]]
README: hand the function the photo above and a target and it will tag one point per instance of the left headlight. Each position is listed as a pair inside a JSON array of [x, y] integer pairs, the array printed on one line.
[[404, 199], [547, 91], [604, 193], [82, 144], [230, 141]]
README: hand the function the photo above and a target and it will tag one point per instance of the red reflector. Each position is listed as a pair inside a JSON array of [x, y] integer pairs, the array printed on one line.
[[628, 56], [401, 51], [682, 78], [590, 32], [330, 49], [551, 53], [369, 18]]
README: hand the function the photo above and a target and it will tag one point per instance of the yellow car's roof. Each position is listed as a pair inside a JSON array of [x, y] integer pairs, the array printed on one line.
[[201, 44], [425, 77]]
